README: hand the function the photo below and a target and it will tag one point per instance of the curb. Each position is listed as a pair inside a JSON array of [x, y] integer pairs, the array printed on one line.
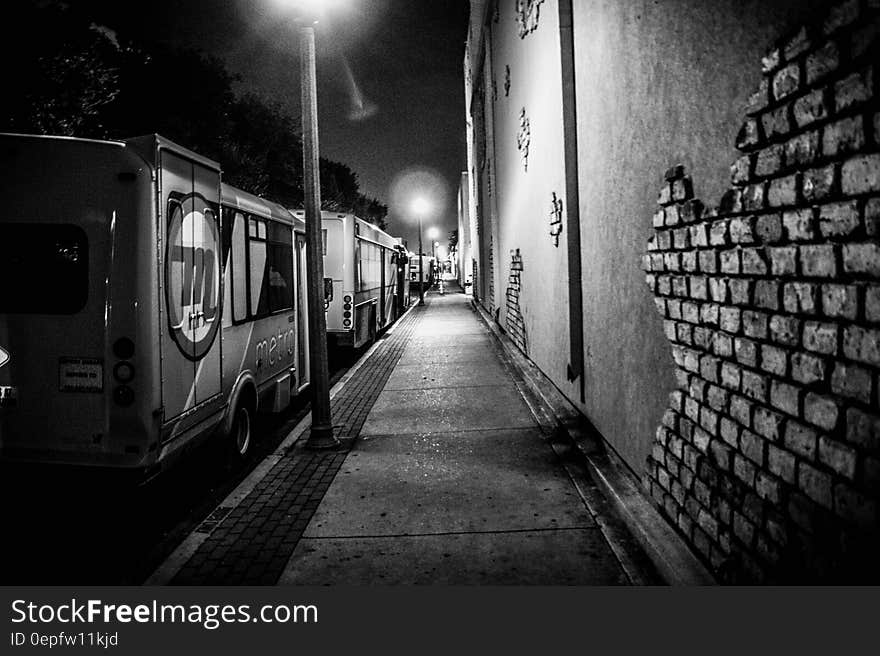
[[674, 560]]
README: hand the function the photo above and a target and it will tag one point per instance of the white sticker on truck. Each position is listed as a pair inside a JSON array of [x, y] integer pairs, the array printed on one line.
[[80, 375]]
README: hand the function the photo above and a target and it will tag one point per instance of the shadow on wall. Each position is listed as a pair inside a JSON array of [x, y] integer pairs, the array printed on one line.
[[768, 457]]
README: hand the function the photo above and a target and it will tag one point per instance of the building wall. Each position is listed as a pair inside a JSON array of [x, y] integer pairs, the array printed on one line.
[[473, 45], [529, 174], [656, 84], [767, 457], [464, 267]]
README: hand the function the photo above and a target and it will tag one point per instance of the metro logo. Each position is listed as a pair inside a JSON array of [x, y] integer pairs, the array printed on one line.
[[192, 274], [197, 288], [4, 357]]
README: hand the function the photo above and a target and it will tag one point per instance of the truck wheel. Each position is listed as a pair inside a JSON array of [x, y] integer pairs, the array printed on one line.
[[240, 436]]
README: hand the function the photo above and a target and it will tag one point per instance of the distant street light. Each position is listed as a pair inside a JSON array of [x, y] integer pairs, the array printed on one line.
[[420, 206], [321, 433]]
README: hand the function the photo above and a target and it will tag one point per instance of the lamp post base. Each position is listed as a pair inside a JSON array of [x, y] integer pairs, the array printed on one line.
[[321, 438]]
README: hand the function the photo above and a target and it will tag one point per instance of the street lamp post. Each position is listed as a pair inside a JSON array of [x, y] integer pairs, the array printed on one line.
[[421, 266], [321, 433], [420, 207]]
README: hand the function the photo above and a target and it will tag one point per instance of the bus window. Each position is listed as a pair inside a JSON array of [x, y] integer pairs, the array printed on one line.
[[239, 269], [280, 278], [271, 267], [257, 253], [44, 268], [369, 263]]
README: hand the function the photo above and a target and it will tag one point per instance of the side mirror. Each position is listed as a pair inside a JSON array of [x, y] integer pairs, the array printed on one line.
[[328, 290]]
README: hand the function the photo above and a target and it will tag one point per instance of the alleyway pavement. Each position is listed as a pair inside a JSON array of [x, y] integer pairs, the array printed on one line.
[[445, 477]]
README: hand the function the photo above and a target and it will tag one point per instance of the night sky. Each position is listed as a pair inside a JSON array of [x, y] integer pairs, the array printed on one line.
[[390, 85]]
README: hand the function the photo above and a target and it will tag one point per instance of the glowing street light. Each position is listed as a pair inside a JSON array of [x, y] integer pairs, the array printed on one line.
[[310, 10], [420, 206]]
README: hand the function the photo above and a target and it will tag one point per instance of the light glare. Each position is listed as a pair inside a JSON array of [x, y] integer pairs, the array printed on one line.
[[310, 9], [416, 183], [420, 206]]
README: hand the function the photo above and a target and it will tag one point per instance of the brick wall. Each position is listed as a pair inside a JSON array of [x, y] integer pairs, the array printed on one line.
[[768, 457], [514, 324]]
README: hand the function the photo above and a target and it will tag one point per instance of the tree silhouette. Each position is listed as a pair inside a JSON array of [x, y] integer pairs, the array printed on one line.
[[76, 76]]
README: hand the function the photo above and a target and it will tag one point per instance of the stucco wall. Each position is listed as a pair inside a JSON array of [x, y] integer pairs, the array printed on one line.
[[463, 248], [658, 83], [524, 186]]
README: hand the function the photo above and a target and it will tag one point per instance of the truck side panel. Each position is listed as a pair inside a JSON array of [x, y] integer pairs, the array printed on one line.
[[190, 294]]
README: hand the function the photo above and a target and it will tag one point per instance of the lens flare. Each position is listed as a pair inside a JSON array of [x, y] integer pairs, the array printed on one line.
[[361, 108], [421, 190]]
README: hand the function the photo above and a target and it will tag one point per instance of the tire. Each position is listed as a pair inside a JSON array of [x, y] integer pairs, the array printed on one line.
[[240, 437]]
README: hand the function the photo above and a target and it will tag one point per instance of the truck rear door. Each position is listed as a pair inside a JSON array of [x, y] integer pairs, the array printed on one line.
[[190, 273]]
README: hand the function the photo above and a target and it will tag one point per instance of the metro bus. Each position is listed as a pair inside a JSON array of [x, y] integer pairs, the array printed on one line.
[[362, 262], [144, 305]]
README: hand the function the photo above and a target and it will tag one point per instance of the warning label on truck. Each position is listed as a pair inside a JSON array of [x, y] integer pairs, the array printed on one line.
[[80, 375]]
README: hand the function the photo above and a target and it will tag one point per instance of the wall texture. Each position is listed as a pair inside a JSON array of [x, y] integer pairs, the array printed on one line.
[[657, 82], [529, 176], [662, 82], [463, 256], [767, 457], [514, 87]]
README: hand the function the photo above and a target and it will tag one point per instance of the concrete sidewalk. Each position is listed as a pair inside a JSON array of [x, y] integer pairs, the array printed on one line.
[[451, 480]]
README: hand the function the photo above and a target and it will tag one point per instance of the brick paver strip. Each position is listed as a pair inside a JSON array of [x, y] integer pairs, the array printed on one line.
[[251, 543]]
